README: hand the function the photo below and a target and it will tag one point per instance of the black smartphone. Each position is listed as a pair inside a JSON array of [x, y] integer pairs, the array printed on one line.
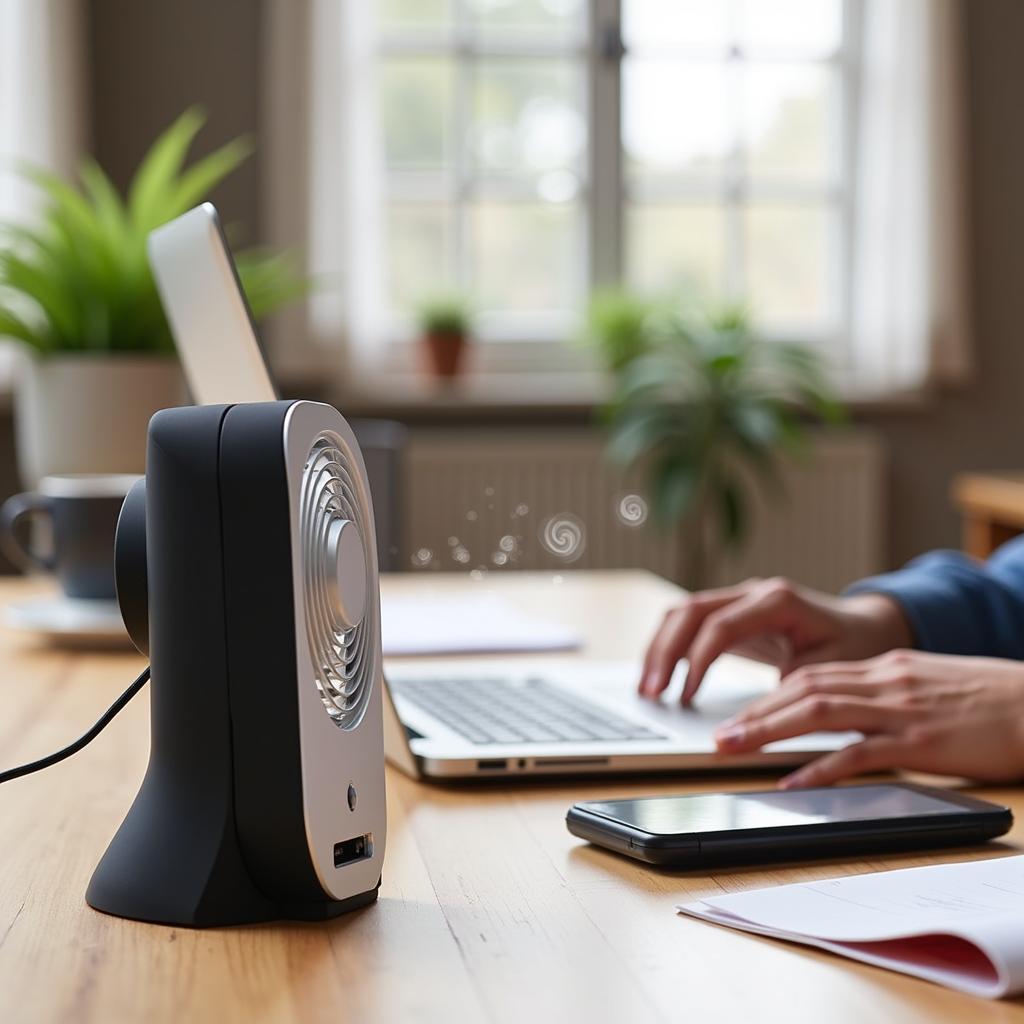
[[711, 829]]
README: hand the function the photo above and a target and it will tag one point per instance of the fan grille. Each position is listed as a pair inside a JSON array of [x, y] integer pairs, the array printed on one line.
[[342, 658]]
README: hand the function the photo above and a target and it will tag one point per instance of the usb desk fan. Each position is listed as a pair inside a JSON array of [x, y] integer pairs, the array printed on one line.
[[246, 568]]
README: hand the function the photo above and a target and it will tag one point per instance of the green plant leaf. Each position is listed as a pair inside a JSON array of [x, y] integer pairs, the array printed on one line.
[[154, 183], [69, 214], [793, 437], [755, 421], [202, 177], [445, 313], [617, 323], [108, 207], [659, 377], [729, 318], [79, 278], [13, 326], [732, 508], [639, 431], [270, 280], [711, 407], [674, 489], [722, 363], [33, 282], [829, 409]]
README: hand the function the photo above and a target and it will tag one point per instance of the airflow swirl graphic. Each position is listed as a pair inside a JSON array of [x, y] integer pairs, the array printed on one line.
[[342, 658], [632, 510], [564, 536]]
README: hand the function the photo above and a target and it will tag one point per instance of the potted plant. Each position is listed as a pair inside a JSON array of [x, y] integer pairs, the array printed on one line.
[[616, 321], [445, 322], [77, 291], [706, 406]]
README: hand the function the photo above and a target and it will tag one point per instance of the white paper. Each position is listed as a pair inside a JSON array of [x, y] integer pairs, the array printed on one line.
[[960, 925], [483, 623]]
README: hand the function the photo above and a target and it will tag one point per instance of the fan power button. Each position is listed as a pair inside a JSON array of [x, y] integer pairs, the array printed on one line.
[[346, 572]]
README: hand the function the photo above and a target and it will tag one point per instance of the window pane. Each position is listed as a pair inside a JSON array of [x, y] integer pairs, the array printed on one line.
[[675, 118], [525, 257], [807, 27], [527, 117], [419, 253], [416, 15], [677, 249], [789, 263], [789, 121], [679, 23], [541, 17], [416, 110]]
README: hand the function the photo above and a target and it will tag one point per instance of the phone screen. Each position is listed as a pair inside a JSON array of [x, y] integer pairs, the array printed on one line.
[[724, 812]]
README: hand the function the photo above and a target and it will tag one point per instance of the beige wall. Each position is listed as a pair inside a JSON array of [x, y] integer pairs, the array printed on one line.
[[980, 426], [151, 59]]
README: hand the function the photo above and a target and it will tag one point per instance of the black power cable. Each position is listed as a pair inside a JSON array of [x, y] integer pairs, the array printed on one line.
[[72, 748]]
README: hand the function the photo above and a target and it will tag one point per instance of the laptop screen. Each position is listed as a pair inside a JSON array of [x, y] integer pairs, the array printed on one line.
[[205, 305]]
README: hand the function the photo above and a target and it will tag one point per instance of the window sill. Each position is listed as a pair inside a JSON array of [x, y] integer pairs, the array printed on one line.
[[536, 396], [476, 396]]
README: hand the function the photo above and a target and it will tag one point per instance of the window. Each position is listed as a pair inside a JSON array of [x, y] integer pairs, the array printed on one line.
[[725, 176], [733, 172], [41, 121], [807, 156], [533, 149], [40, 88], [484, 127]]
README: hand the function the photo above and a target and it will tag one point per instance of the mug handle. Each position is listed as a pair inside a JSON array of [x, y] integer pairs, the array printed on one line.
[[12, 512]]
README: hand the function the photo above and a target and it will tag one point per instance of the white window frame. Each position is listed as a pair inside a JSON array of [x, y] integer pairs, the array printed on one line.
[[737, 189], [604, 190]]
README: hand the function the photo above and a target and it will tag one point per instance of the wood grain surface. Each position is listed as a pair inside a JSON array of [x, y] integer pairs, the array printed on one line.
[[489, 910]]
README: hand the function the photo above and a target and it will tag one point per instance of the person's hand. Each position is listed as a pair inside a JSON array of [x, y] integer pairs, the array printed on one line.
[[927, 712], [771, 620]]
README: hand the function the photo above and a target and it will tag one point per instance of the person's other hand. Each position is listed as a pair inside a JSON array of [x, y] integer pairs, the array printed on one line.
[[936, 713], [771, 620]]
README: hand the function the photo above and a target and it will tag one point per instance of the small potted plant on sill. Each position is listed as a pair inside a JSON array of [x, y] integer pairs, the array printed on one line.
[[445, 324], [77, 292], [708, 408]]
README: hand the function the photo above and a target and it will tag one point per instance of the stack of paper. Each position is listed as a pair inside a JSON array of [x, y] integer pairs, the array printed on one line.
[[483, 623], [960, 925]]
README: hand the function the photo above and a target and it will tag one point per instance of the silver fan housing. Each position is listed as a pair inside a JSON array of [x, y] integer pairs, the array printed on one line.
[[339, 619], [338, 679]]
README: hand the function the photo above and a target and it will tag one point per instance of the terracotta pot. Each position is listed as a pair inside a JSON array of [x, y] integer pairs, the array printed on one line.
[[88, 413], [444, 352]]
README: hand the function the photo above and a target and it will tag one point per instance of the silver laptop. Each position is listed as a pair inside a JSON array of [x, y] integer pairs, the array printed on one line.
[[466, 717], [474, 718]]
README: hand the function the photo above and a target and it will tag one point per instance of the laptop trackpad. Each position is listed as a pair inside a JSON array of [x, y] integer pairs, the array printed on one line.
[[731, 683]]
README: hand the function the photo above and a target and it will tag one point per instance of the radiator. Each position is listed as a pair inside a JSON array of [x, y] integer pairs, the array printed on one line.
[[491, 501]]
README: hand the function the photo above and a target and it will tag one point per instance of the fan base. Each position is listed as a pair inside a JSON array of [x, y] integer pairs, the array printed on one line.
[[258, 912]]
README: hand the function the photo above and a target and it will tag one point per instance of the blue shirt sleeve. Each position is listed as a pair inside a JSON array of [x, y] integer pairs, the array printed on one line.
[[956, 605]]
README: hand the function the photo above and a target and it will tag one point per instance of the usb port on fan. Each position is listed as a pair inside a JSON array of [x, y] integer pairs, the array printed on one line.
[[351, 850]]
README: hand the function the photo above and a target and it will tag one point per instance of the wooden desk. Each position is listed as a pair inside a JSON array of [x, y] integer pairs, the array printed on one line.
[[992, 509], [489, 911]]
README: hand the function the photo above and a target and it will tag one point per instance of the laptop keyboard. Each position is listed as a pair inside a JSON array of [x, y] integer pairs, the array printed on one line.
[[496, 710]]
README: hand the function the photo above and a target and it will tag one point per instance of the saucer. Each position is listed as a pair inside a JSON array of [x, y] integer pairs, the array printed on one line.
[[69, 621]]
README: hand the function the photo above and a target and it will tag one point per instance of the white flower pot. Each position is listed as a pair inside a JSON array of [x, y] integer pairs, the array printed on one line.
[[88, 413]]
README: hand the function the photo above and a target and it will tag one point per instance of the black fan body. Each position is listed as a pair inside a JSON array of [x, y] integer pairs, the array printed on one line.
[[252, 787]]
